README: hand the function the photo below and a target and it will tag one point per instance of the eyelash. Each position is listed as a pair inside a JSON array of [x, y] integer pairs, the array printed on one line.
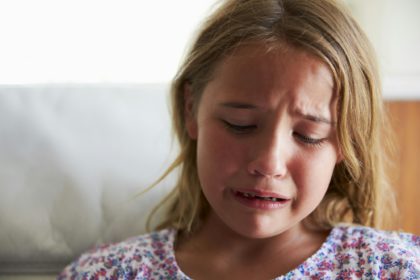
[[244, 129], [239, 129], [313, 142]]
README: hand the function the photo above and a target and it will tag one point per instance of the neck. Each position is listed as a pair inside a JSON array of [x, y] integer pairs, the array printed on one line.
[[218, 240]]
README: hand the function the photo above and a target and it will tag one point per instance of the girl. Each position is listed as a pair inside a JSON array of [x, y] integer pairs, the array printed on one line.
[[278, 112]]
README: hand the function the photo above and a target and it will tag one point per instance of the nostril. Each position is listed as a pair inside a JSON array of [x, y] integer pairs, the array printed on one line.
[[267, 169]]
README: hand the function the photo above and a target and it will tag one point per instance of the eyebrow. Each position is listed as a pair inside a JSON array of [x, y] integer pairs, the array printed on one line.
[[238, 105], [310, 117], [314, 118]]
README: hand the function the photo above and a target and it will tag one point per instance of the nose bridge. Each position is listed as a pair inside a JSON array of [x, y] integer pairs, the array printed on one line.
[[270, 153]]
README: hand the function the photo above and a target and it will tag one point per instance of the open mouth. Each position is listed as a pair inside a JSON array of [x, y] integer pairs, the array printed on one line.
[[252, 196]]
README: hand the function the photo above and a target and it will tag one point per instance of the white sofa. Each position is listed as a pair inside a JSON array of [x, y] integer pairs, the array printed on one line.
[[73, 159]]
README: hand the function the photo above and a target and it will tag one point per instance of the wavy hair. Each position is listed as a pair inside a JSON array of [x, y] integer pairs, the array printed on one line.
[[359, 188]]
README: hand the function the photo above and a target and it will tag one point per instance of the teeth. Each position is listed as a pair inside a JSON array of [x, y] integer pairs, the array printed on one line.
[[267, 198]]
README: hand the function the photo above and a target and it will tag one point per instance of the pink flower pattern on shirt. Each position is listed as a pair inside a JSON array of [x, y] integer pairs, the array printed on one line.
[[349, 252]]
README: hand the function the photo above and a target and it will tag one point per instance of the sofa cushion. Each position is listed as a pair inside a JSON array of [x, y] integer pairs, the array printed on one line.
[[73, 159]]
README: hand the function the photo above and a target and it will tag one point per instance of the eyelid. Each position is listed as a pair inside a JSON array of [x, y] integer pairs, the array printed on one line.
[[310, 141], [239, 128]]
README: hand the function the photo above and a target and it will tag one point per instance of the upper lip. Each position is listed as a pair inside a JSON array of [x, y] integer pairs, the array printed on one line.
[[262, 193]]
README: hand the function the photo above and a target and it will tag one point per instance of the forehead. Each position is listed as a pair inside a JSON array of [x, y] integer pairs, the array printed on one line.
[[265, 78]]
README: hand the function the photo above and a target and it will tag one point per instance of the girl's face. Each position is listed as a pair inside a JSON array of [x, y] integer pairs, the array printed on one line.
[[266, 139]]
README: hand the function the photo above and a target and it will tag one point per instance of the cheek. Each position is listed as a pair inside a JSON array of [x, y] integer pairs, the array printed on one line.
[[312, 172], [218, 157]]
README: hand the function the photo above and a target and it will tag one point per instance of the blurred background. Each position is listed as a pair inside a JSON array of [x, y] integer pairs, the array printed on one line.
[[392, 27], [95, 41], [116, 47], [139, 41]]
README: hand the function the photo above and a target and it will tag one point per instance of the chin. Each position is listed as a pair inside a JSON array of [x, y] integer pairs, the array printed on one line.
[[258, 231]]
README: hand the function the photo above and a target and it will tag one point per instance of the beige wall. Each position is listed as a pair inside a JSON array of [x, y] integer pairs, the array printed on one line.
[[405, 172], [393, 28]]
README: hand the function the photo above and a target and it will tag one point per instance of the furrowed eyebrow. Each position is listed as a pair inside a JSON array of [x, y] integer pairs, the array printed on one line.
[[310, 117], [238, 105], [314, 118]]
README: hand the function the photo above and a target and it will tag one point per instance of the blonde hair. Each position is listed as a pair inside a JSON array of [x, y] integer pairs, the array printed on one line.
[[324, 28]]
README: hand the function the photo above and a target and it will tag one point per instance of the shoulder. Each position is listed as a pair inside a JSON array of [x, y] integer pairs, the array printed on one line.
[[134, 257], [375, 253], [379, 241]]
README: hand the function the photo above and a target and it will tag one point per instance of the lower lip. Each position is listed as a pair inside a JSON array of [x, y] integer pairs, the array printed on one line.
[[259, 203]]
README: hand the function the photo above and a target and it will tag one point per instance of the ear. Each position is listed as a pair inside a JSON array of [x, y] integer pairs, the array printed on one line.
[[189, 114]]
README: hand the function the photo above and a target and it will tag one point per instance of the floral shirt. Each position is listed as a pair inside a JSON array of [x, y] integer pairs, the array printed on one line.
[[349, 252]]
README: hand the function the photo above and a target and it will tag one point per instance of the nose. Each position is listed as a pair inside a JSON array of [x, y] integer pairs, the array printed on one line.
[[269, 157]]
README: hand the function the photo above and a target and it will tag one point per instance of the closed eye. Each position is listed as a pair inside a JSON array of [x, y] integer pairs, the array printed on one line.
[[239, 129], [309, 140]]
